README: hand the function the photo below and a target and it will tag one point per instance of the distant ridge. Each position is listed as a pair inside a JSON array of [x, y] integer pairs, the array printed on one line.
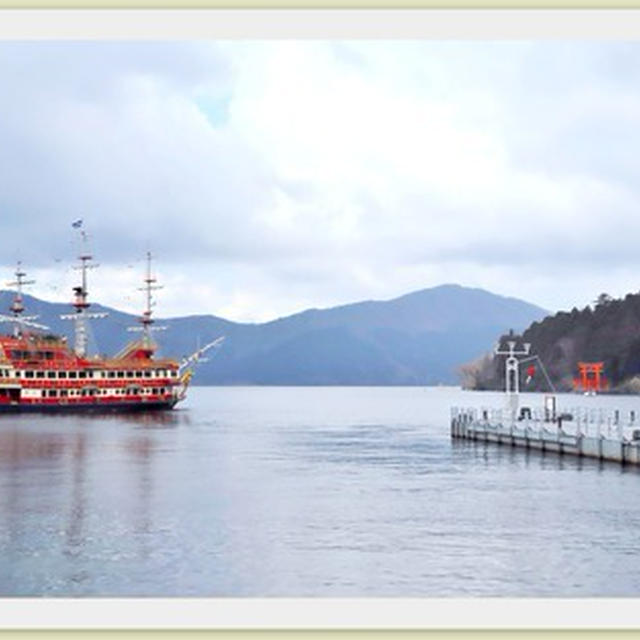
[[419, 338]]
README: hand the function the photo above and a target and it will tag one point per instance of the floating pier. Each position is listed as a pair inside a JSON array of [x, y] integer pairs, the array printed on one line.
[[592, 433]]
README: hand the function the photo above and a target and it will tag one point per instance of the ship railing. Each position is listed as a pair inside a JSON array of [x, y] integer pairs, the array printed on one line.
[[133, 363]]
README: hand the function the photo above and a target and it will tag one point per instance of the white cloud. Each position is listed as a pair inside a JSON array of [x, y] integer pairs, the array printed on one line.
[[271, 176]]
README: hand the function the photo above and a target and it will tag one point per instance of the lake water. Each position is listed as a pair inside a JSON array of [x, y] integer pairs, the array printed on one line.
[[307, 492]]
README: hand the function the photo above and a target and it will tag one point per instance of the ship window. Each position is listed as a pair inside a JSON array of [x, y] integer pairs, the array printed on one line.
[[147, 374], [73, 374], [64, 393], [28, 374], [53, 393], [39, 374], [1, 373], [48, 355], [82, 374], [62, 374], [51, 374], [138, 374], [120, 374], [112, 374]]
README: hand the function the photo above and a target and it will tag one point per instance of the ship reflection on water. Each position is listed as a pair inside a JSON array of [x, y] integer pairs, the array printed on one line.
[[87, 467], [149, 419]]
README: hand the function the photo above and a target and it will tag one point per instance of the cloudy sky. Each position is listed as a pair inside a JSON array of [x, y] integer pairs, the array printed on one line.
[[272, 176]]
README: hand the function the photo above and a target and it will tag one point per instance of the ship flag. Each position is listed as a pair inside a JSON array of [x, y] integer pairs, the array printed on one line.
[[77, 224]]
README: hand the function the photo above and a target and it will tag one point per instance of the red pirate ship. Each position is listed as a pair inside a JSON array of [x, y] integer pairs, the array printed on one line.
[[39, 371]]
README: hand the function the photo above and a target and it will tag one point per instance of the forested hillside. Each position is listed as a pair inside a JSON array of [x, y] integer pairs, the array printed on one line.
[[608, 332]]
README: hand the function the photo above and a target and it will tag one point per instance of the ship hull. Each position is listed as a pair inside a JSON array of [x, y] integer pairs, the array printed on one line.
[[121, 407]]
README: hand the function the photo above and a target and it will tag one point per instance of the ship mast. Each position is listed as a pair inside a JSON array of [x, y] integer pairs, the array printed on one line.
[[17, 306], [80, 303], [145, 318]]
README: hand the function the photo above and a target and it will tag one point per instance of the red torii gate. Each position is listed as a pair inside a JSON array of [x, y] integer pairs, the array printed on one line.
[[591, 378]]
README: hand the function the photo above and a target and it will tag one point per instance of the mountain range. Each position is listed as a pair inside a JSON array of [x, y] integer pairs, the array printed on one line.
[[417, 339]]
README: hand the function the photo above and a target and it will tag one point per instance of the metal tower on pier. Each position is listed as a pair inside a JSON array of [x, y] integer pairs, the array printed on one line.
[[512, 373]]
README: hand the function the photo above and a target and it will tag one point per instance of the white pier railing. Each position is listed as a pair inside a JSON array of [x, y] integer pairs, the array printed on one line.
[[597, 433]]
